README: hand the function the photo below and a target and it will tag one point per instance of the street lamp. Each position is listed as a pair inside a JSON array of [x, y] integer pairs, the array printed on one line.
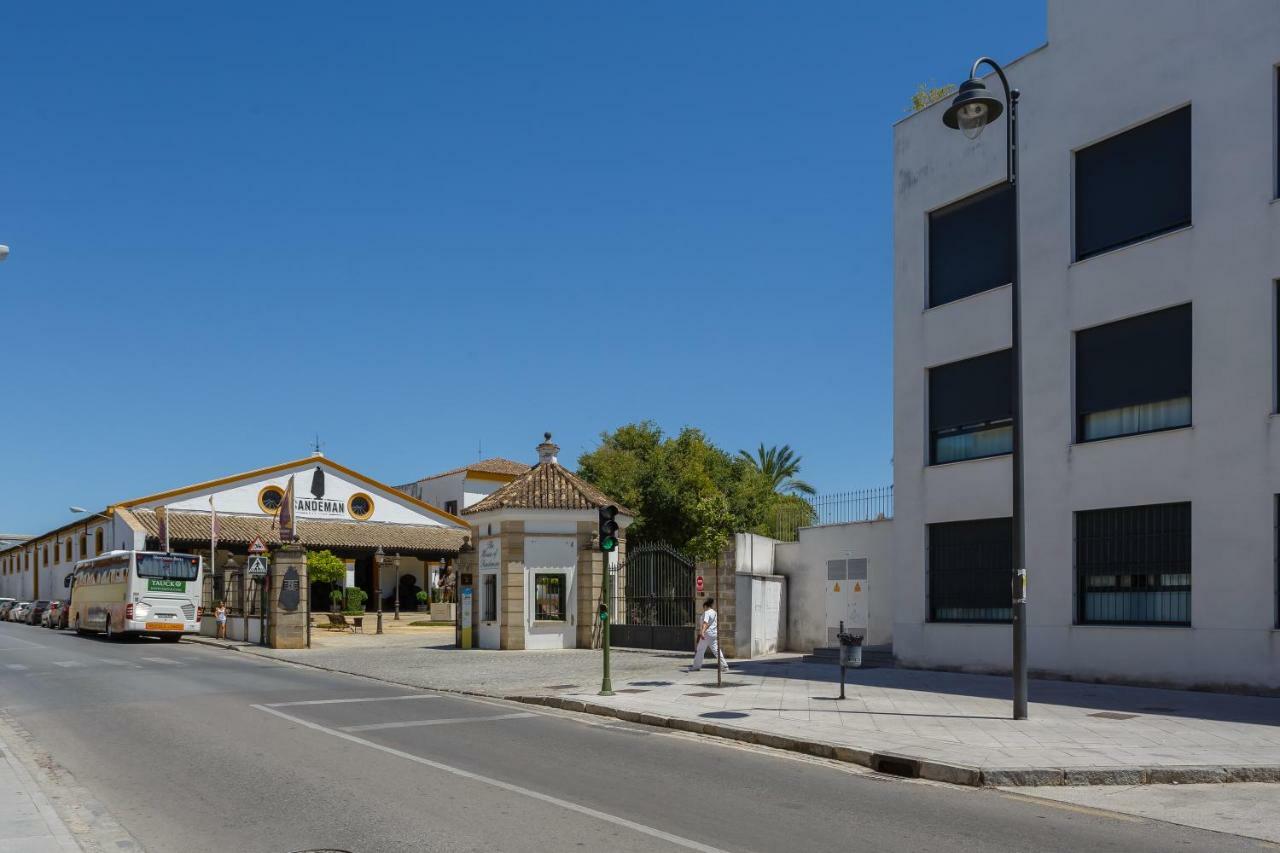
[[79, 509], [971, 110], [378, 557], [395, 563]]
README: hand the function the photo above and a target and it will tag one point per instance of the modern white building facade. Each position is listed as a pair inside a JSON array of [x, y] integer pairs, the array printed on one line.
[[1150, 259]]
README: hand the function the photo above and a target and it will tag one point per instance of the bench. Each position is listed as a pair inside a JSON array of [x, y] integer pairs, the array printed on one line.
[[338, 622]]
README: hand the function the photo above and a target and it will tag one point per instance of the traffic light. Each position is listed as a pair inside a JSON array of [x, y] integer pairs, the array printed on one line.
[[608, 529]]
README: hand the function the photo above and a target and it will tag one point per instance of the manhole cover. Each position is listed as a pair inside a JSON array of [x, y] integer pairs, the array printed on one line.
[[702, 694], [1113, 715]]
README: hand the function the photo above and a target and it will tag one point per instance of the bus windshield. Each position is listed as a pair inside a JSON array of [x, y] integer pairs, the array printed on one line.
[[168, 567]]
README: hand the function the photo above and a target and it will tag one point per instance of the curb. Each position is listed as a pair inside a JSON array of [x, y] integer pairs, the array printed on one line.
[[919, 768]]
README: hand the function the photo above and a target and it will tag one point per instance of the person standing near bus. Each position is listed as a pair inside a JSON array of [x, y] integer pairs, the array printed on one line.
[[220, 614], [709, 635]]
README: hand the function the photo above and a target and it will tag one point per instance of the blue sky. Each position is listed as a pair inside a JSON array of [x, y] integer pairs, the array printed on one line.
[[422, 228]]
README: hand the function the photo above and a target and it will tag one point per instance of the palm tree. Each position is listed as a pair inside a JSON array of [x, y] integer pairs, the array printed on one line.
[[780, 465]]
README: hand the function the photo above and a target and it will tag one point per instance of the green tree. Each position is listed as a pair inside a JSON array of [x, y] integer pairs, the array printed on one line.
[[779, 465], [324, 567], [927, 95]]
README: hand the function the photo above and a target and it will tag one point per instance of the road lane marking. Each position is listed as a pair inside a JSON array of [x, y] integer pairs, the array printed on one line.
[[654, 832], [344, 701], [1071, 807], [409, 724], [16, 666], [115, 662], [9, 638], [67, 664], [163, 660]]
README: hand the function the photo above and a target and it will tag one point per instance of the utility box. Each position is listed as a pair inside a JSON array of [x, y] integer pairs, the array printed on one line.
[[847, 597]]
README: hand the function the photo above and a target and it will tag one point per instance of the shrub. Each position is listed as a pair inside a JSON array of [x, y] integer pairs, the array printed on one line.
[[423, 596], [356, 597]]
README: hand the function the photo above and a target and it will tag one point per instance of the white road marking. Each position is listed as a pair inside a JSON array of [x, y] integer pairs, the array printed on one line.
[[114, 662], [679, 841], [17, 666], [409, 724], [67, 664], [344, 701], [9, 638], [163, 660]]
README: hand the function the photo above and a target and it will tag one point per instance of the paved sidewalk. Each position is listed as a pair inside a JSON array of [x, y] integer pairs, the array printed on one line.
[[28, 821], [950, 727]]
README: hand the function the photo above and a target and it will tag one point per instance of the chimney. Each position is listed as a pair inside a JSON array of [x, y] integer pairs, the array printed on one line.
[[547, 450]]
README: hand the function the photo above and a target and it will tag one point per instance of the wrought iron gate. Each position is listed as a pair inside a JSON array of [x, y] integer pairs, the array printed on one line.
[[653, 603]]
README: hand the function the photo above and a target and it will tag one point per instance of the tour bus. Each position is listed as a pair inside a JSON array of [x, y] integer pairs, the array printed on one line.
[[137, 592]]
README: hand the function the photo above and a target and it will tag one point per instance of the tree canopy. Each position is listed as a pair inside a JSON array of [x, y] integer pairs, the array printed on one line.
[[324, 567], [779, 466], [928, 95], [683, 489]]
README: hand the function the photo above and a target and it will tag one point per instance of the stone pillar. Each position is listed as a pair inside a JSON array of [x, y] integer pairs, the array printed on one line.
[[287, 625], [466, 563], [511, 586], [590, 580]]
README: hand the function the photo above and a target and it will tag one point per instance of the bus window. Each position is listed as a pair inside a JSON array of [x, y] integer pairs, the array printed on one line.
[[167, 567]]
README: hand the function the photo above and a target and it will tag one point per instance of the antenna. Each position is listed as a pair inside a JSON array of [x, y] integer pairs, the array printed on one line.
[[317, 449]]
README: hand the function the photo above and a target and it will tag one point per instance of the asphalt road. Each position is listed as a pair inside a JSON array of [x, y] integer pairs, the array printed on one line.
[[198, 749]]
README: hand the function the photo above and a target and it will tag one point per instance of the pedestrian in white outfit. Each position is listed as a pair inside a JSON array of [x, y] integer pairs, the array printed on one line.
[[709, 635]]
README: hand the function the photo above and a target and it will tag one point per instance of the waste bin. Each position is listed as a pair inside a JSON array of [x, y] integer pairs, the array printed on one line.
[[850, 649]]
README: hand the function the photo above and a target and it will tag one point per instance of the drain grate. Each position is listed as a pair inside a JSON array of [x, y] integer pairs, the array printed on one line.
[[702, 694], [1113, 715]]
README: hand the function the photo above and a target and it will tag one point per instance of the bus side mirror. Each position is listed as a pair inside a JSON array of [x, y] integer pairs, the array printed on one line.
[[66, 582]]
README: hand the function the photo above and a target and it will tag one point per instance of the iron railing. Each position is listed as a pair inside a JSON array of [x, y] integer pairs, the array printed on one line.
[[835, 508]]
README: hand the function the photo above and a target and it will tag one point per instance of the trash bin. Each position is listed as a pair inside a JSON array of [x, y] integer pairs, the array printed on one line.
[[850, 649]]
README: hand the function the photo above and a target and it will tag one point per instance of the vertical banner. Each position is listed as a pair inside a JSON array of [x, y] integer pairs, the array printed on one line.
[[465, 616], [286, 518], [213, 538], [162, 527]]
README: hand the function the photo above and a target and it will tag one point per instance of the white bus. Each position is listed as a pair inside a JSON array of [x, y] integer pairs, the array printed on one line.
[[137, 592]]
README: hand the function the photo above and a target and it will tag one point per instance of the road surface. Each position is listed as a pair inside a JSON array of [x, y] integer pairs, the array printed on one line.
[[198, 749]]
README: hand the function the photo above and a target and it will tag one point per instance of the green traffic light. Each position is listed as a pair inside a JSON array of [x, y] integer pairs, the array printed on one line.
[[608, 543]]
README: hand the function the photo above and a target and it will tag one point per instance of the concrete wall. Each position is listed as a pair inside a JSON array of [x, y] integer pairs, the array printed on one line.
[[804, 564], [761, 626], [1109, 67]]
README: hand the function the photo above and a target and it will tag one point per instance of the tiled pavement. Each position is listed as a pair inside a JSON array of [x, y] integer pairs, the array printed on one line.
[[949, 726]]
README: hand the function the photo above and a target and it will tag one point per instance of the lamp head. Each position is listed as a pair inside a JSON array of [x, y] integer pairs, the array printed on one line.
[[972, 109]]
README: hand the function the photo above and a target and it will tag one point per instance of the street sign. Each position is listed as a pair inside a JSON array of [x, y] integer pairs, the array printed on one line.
[[256, 567], [700, 583], [257, 546]]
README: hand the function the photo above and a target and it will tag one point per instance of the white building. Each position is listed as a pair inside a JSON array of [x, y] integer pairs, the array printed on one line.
[[338, 509], [458, 489], [1150, 253]]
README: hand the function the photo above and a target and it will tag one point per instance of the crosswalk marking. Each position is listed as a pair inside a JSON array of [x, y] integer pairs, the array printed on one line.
[[67, 663], [16, 666], [407, 724], [114, 662], [163, 660]]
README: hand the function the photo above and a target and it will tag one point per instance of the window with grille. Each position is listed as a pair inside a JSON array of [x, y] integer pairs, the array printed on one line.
[[971, 571], [971, 408], [1133, 565], [489, 598], [971, 245], [1133, 186], [1134, 376], [549, 597]]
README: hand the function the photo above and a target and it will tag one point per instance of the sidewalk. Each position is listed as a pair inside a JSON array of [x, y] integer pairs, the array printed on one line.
[[944, 726], [28, 821]]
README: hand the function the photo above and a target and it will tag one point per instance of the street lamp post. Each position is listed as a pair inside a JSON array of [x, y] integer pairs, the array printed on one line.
[[395, 562], [81, 510], [971, 110], [378, 557]]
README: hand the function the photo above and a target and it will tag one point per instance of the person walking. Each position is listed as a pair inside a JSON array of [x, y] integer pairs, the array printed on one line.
[[709, 635], [220, 614]]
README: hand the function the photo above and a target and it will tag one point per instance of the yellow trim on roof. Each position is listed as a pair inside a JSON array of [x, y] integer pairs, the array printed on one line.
[[297, 463], [489, 475]]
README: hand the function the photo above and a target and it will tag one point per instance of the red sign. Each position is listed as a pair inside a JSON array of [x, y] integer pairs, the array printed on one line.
[[699, 583], [257, 546]]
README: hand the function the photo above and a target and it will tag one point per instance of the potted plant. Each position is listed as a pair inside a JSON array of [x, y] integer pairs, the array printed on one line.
[[335, 599], [423, 597], [356, 598]]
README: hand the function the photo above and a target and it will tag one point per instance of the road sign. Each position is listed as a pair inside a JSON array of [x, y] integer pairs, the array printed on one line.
[[700, 583], [257, 546], [256, 567]]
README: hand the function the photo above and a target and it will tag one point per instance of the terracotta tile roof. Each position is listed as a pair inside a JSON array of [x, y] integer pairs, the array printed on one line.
[[240, 529], [547, 485], [496, 465]]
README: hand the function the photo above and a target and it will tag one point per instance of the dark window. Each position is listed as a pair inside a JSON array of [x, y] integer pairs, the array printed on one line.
[[1133, 565], [451, 507], [1134, 185], [971, 245], [1134, 376], [489, 598], [971, 408], [549, 598], [971, 571]]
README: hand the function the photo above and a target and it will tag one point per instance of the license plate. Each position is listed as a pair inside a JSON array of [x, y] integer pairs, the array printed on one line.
[[163, 626]]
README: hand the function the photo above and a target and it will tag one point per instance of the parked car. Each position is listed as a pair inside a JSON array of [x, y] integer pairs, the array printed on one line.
[[19, 611], [52, 614], [5, 606], [37, 610], [64, 617]]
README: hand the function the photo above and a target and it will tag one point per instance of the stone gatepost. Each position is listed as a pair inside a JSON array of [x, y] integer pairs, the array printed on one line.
[[287, 625]]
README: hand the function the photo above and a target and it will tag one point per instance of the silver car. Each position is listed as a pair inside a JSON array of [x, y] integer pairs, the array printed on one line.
[[19, 611]]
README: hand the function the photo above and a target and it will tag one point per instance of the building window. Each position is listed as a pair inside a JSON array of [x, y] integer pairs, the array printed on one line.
[[451, 507], [97, 541], [270, 498], [971, 408], [360, 506], [1134, 376], [1134, 185], [1133, 565], [489, 598], [549, 602], [971, 571], [971, 245]]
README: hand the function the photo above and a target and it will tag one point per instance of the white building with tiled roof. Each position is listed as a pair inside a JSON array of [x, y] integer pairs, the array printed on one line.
[[337, 509], [459, 488]]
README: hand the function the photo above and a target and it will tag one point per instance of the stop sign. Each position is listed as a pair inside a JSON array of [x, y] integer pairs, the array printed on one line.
[[699, 583]]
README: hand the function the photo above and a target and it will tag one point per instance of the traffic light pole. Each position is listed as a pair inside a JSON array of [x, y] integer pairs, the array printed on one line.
[[606, 686]]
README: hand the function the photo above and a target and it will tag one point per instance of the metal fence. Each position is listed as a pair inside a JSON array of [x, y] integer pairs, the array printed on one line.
[[835, 508]]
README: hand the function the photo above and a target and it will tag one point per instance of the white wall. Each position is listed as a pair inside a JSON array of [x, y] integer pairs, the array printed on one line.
[[760, 627], [1109, 67]]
